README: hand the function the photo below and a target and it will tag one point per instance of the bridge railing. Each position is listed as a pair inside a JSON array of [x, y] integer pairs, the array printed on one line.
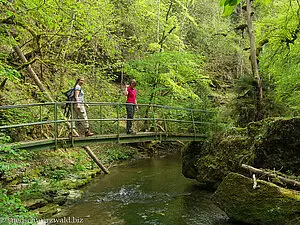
[[47, 120]]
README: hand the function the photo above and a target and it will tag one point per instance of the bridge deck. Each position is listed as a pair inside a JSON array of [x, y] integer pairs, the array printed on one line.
[[107, 138]]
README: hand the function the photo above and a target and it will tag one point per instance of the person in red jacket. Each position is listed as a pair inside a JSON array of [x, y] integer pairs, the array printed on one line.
[[131, 105]]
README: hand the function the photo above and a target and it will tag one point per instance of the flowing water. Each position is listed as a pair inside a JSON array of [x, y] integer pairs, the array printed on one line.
[[146, 191]]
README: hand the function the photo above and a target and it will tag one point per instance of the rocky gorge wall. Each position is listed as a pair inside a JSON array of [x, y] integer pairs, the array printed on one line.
[[271, 144]]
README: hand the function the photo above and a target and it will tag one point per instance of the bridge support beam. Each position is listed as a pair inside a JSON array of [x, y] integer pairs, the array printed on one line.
[[96, 160]]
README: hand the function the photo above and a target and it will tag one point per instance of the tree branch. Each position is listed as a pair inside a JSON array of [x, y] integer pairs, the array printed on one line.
[[269, 174], [294, 35], [165, 36], [260, 46], [3, 83], [26, 64]]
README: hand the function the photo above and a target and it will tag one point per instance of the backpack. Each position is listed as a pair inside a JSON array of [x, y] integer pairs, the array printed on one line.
[[70, 97]]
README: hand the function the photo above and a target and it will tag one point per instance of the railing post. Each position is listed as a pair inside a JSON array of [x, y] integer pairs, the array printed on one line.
[[118, 123], [154, 121], [194, 127], [165, 124], [55, 124], [101, 122], [72, 123], [41, 118]]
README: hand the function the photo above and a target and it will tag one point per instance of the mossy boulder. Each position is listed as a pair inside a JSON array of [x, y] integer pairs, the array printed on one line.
[[190, 157], [47, 211], [273, 143], [212, 161], [230, 154], [278, 146], [268, 204], [35, 203]]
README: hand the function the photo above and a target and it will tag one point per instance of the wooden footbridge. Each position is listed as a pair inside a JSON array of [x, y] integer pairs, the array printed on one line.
[[43, 125]]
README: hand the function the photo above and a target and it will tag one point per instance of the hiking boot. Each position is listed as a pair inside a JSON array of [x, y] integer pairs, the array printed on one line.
[[131, 132], [88, 133]]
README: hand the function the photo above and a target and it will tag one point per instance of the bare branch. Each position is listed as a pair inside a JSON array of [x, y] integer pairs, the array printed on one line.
[[291, 182]]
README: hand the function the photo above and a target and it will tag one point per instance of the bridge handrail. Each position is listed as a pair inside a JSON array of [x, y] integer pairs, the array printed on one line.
[[101, 103], [25, 105], [149, 117]]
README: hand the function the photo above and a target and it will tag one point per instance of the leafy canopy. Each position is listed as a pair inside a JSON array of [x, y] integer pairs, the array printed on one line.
[[174, 78]]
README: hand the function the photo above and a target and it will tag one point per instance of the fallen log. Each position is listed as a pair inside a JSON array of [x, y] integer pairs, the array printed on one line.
[[96, 160], [282, 179]]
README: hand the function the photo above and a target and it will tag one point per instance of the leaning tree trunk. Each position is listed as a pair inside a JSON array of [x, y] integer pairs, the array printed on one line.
[[32, 73], [29, 69], [254, 63]]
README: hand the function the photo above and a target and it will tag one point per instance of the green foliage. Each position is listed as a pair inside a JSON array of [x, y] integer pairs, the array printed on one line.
[[11, 158], [55, 174], [279, 24], [94, 38], [24, 116], [229, 6], [244, 104], [173, 78], [116, 154], [4, 139], [12, 211], [8, 72]]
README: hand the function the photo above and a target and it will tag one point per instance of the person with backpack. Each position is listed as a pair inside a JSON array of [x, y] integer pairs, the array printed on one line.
[[79, 111], [131, 105]]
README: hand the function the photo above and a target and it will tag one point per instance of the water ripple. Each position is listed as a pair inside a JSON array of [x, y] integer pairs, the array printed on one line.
[[132, 194]]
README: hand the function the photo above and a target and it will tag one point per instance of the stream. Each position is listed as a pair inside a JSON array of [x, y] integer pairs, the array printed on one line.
[[146, 191]]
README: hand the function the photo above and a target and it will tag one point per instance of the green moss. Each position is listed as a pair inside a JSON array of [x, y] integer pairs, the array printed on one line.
[[47, 211], [271, 143], [291, 194], [220, 158], [268, 204]]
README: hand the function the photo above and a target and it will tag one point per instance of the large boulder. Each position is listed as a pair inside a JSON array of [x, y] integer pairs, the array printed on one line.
[[268, 204], [189, 159], [277, 146], [212, 161], [271, 144]]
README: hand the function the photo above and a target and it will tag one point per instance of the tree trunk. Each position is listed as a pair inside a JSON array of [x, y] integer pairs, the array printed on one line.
[[96, 160], [254, 61], [32, 73]]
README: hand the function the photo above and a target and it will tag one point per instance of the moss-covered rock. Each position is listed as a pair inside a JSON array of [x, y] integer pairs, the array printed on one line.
[[190, 157], [268, 204], [211, 162], [32, 204], [271, 143], [47, 211], [278, 146]]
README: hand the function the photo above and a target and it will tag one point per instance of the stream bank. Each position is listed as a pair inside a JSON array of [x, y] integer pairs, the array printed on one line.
[[38, 184], [272, 144]]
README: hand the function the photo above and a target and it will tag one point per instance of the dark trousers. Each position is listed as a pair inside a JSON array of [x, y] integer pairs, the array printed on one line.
[[130, 114]]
